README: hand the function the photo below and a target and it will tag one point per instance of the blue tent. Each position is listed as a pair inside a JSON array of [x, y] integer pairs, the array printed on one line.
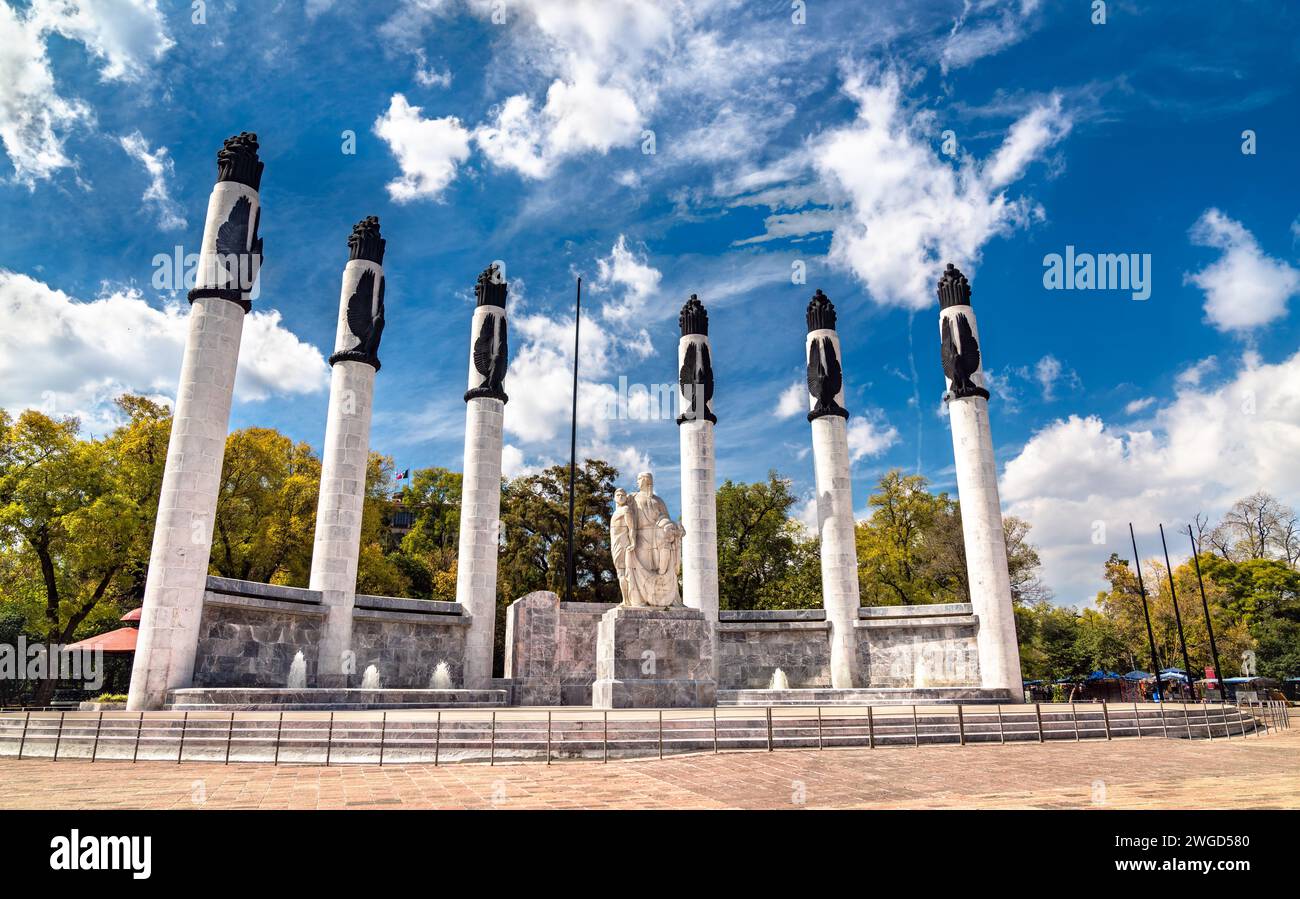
[[1102, 675], [1136, 676], [1177, 674], [1031, 683]]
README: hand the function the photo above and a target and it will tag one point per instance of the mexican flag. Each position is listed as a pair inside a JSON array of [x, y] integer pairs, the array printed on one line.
[[403, 475]]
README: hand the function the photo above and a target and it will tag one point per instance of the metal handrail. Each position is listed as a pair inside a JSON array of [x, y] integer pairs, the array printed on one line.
[[554, 735]]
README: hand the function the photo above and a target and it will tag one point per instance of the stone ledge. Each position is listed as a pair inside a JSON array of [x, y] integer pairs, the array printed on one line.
[[921, 611], [594, 608], [750, 626], [231, 587], [773, 615], [644, 613], [933, 621], [416, 617], [403, 604], [237, 601]]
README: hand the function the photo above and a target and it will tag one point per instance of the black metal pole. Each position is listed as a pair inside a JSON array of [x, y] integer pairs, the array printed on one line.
[[1178, 618], [1209, 625], [569, 578], [1146, 613]]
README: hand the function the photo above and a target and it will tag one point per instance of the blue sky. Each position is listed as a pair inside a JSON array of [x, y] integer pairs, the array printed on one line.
[[518, 131]]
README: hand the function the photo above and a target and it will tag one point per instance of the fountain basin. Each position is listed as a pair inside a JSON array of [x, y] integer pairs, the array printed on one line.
[[326, 699]]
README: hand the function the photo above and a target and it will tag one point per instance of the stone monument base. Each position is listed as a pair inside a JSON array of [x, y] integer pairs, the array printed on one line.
[[653, 658]]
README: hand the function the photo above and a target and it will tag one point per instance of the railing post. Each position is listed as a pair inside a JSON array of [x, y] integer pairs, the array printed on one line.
[[492, 749], [1187, 721], [961, 727], [661, 733], [279, 729], [548, 736], [99, 724], [58, 739], [871, 729], [139, 726], [230, 736], [1105, 717], [819, 727], [185, 723], [1137, 720], [1038, 712], [1205, 710], [916, 729], [329, 741], [23, 741], [383, 734], [769, 728], [1002, 734], [437, 738], [604, 735], [1074, 715], [715, 730], [1164, 724]]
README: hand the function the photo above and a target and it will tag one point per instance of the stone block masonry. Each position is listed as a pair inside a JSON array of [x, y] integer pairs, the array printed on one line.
[[230, 257], [354, 364], [653, 658]]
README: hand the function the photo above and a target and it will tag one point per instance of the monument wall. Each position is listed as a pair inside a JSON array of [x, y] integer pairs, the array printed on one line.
[[753, 644], [249, 634], [918, 646], [551, 649]]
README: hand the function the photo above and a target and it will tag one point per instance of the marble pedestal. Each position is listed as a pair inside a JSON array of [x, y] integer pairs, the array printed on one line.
[[653, 658]]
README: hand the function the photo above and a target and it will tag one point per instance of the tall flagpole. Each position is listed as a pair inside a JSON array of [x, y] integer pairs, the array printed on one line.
[[1209, 625], [1151, 637], [573, 446], [1173, 594]]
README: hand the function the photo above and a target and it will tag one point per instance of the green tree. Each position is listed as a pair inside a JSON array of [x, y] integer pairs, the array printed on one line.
[[266, 509], [763, 557], [75, 519]]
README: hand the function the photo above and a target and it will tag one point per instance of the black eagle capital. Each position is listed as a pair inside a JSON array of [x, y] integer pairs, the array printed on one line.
[[240, 257], [961, 357], [696, 383], [491, 357], [365, 317], [825, 379]]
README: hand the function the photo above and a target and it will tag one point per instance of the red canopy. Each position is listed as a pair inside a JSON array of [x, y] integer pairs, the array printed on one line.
[[133, 615], [121, 640]]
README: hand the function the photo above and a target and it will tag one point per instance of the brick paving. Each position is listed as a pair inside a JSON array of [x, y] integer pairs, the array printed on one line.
[[1254, 772]]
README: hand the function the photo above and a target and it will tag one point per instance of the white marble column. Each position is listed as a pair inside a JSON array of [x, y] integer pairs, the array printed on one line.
[[480, 508], [695, 431], [835, 523], [230, 257], [977, 487], [347, 449]]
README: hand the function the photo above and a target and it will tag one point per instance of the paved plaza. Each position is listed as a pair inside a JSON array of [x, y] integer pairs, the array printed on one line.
[[1255, 772]]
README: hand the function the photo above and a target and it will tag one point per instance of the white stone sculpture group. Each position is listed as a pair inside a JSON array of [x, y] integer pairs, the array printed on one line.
[[647, 547]]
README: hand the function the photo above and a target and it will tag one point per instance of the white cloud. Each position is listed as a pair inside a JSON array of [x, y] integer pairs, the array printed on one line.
[[160, 167], [427, 150], [985, 28], [624, 272], [1245, 288], [1192, 375], [906, 210], [870, 435], [579, 116], [128, 36], [73, 357], [1205, 448], [793, 400], [1049, 372], [1133, 407]]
